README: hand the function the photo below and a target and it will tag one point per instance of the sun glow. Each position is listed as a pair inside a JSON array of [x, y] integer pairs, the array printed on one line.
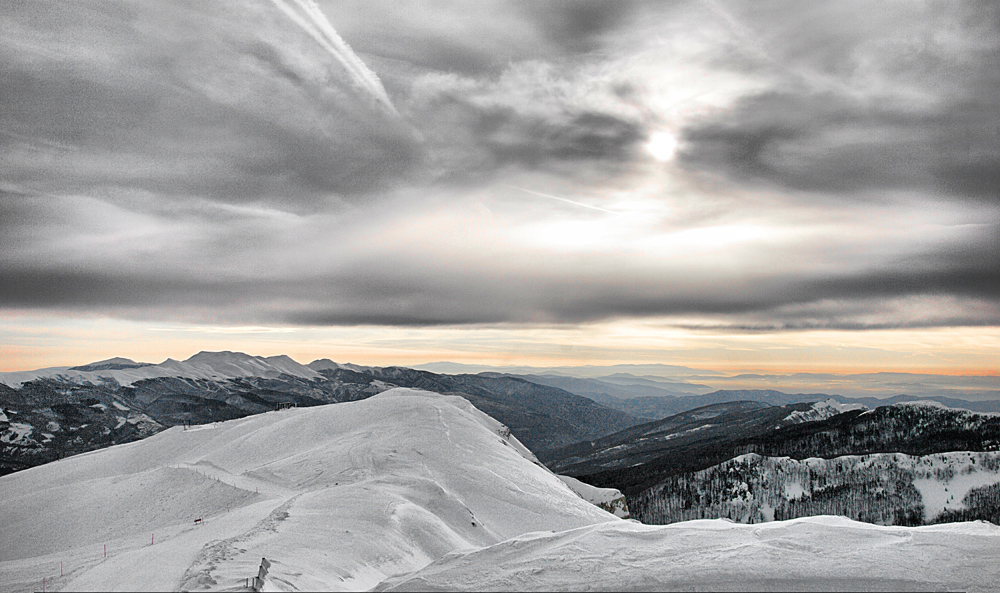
[[662, 145]]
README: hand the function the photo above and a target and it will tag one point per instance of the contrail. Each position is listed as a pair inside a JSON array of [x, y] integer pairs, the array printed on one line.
[[550, 196], [308, 15]]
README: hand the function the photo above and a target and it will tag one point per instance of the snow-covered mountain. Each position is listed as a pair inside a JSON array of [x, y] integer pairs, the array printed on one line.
[[56, 412], [336, 497], [204, 365], [823, 410], [325, 364], [414, 491]]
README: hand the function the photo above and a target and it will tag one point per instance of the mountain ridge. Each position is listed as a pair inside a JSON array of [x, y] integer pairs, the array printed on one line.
[[54, 412]]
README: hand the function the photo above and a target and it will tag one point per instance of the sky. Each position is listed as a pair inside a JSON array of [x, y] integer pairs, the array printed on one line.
[[727, 184]]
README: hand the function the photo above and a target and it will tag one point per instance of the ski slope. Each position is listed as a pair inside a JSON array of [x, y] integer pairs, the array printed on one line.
[[412, 490]]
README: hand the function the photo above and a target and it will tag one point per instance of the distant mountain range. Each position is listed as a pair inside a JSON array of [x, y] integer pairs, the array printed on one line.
[[50, 413], [680, 380], [655, 399], [659, 441]]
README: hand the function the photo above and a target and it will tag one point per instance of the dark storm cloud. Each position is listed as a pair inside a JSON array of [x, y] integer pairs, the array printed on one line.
[[899, 96], [420, 292]]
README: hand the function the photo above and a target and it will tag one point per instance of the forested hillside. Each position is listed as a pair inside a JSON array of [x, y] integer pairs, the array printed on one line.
[[901, 428], [887, 489]]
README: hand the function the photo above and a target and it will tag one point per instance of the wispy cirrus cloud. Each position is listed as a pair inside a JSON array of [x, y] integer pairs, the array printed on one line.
[[223, 101]]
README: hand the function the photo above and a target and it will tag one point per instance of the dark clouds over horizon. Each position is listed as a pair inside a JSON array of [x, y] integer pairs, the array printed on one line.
[[837, 165]]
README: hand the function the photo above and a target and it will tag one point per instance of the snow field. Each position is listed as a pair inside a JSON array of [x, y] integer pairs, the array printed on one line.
[[814, 553]]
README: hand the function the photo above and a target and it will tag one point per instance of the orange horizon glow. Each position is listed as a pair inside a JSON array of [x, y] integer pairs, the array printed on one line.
[[30, 341]]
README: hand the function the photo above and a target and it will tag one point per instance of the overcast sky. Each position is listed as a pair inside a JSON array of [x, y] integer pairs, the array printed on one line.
[[442, 173]]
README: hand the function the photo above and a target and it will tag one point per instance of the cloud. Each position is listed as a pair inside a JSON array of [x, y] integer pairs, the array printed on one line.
[[868, 97], [532, 116], [495, 255], [229, 101], [446, 36], [238, 163]]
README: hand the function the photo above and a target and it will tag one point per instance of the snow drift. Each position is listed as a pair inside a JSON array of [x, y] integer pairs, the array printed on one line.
[[816, 553]]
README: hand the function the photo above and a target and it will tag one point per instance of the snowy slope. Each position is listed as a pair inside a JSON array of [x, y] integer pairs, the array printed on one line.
[[204, 365], [337, 497], [817, 553], [823, 410]]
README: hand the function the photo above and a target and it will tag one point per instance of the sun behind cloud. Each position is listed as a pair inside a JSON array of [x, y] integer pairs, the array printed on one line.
[[662, 145]]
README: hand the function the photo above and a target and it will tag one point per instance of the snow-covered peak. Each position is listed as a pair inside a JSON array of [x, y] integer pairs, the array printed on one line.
[[325, 364], [822, 410], [232, 365], [204, 365], [410, 490], [484, 419], [110, 364], [222, 356]]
